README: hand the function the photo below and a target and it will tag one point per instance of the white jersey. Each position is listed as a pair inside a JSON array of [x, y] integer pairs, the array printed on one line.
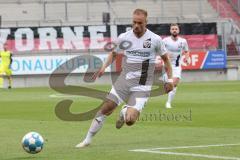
[[175, 49], [134, 84], [139, 57]]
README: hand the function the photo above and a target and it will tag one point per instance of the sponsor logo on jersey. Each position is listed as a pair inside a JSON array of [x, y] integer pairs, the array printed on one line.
[[138, 53]]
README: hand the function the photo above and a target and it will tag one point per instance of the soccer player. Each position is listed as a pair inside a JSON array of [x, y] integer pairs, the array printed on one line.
[[176, 47], [134, 84], [6, 60]]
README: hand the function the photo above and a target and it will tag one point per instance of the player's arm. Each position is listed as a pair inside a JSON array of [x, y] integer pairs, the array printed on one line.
[[167, 64], [111, 57], [11, 60], [187, 57], [168, 68], [186, 52]]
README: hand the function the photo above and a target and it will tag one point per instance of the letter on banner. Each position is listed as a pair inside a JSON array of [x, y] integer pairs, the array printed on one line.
[[194, 59], [48, 36], [96, 36], [73, 40], [3, 36], [21, 43]]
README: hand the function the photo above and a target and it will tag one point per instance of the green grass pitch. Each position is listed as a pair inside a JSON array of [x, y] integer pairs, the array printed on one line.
[[214, 119]]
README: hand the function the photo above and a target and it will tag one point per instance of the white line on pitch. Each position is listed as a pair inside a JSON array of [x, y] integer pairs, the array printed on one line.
[[63, 96], [189, 154], [185, 147], [153, 150]]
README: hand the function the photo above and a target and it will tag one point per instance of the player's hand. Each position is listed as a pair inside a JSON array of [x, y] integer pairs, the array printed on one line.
[[168, 86], [99, 73], [187, 60]]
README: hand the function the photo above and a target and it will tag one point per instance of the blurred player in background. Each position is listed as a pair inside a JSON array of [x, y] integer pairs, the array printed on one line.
[[133, 86], [6, 60], [176, 47]]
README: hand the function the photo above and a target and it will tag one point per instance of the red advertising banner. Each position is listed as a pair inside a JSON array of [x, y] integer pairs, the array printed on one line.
[[196, 60]]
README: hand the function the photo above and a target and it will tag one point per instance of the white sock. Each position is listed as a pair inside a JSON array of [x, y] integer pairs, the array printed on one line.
[[172, 94], [124, 110], [96, 125]]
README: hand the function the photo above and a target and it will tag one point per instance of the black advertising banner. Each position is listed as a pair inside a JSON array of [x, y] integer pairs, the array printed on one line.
[[199, 36]]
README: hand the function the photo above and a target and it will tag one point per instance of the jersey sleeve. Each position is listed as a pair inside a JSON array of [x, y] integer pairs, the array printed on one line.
[[185, 45], [160, 47]]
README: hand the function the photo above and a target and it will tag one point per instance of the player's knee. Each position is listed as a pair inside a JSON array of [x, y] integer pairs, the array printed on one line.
[[130, 122], [108, 107], [131, 116], [130, 119], [175, 82]]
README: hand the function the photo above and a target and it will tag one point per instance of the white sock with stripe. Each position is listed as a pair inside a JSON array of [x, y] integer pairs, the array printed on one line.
[[96, 125], [171, 95]]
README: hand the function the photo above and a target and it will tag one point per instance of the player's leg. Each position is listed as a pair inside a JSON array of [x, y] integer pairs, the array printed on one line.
[[1, 80], [1, 76], [9, 73], [128, 115], [112, 101], [107, 108], [132, 115], [172, 93], [131, 112], [177, 71], [9, 82]]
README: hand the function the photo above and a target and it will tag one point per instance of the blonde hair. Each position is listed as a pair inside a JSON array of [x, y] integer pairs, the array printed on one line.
[[140, 11]]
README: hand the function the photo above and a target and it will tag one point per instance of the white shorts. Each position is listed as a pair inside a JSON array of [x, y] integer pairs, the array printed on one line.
[[133, 98], [176, 73]]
